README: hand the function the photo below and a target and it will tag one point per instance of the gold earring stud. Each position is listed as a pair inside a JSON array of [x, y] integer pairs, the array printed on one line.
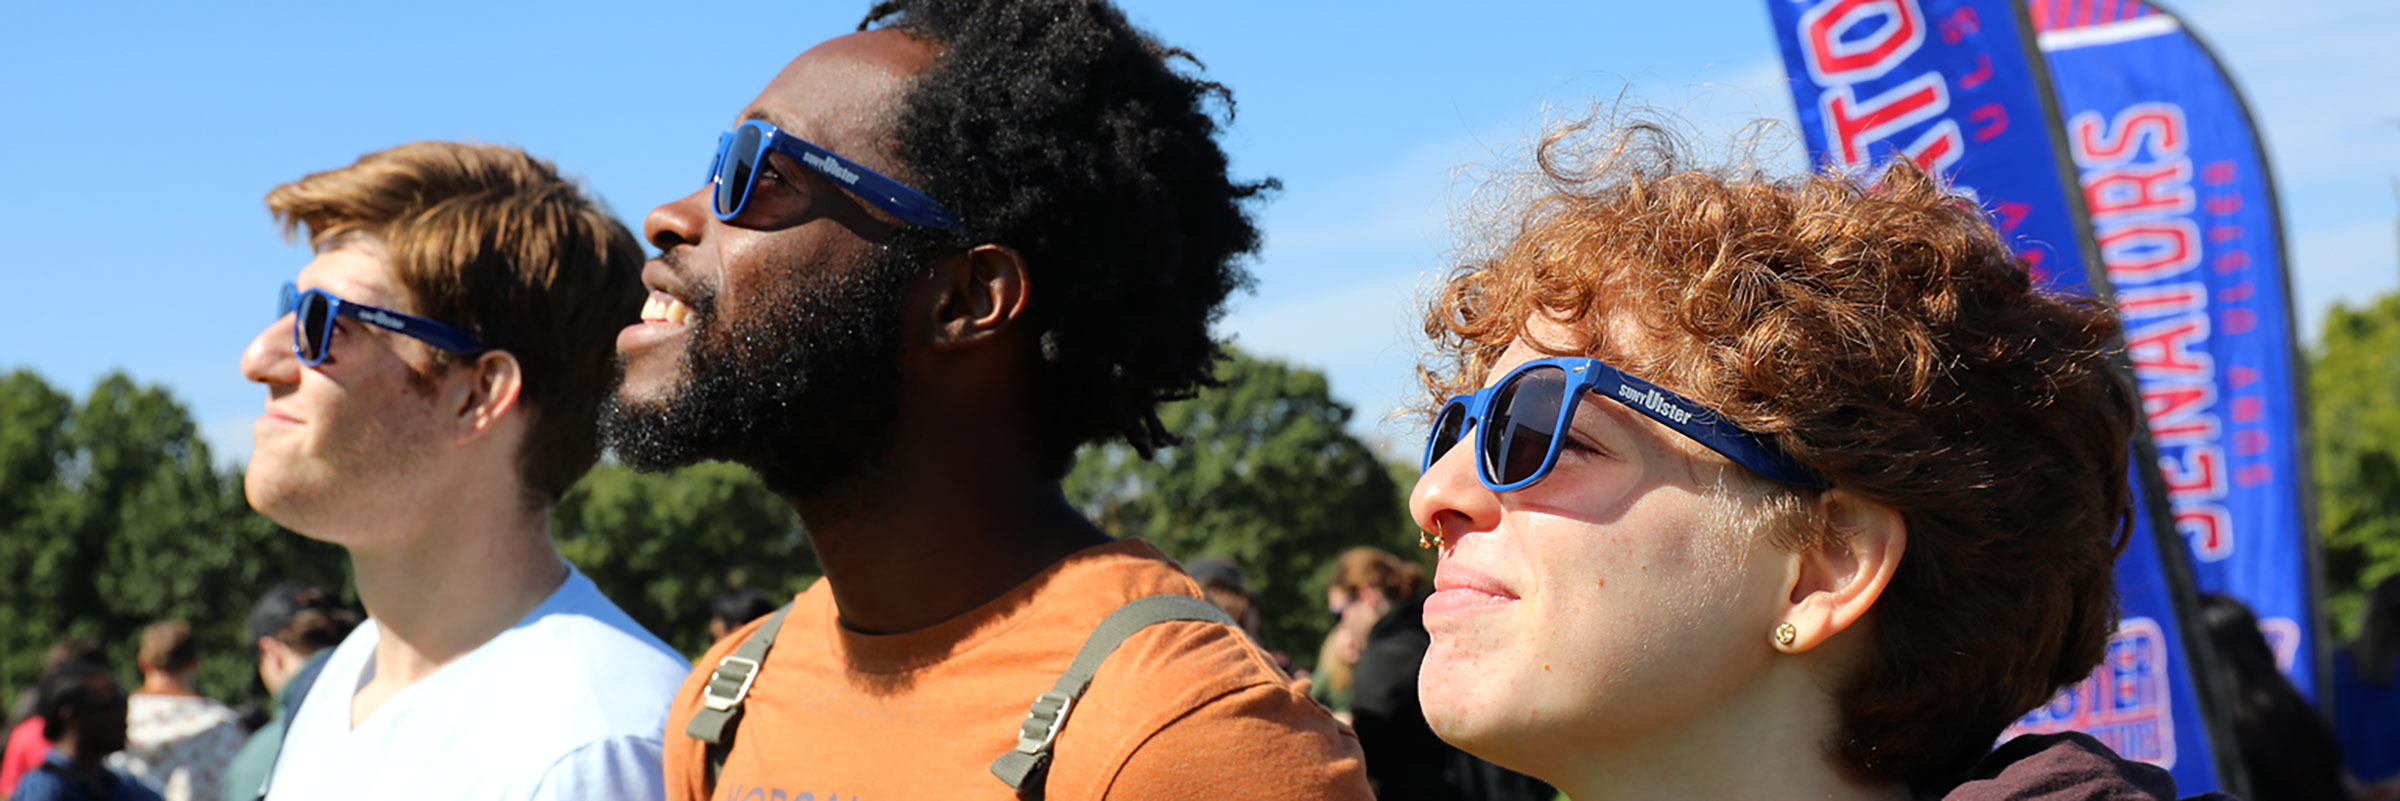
[[1786, 634]]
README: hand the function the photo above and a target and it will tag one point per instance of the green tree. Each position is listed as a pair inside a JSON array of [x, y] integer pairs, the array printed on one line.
[[114, 516], [2354, 395], [663, 545], [1267, 476]]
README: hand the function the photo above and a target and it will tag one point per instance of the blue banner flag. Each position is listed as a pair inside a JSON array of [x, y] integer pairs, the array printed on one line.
[[2184, 213], [1956, 86]]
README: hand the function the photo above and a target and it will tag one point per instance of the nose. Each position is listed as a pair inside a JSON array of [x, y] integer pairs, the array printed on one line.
[[679, 222], [269, 358], [1449, 500]]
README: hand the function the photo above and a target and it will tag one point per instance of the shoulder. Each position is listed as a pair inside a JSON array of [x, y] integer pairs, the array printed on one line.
[[41, 785], [2068, 764], [619, 767], [1262, 741], [1188, 707], [585, 658], [684, 754], [129, 789]]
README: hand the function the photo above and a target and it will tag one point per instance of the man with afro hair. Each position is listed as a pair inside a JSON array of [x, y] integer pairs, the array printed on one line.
[[935, 258]]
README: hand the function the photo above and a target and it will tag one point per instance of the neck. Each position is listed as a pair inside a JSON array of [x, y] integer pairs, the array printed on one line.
[[471, 565], [956, 515], [84, 760], [1767, 742], [157, 682]]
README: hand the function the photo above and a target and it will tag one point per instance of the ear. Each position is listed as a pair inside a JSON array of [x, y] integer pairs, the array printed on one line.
[[1834, 583], [977, 296], [490, 390]]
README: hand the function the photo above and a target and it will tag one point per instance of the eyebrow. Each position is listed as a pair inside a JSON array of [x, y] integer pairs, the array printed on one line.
[[762, 115]]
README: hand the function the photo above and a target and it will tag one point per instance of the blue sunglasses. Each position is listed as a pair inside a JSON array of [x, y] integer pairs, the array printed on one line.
[[1522, 421], [735, 172], [312, 332]]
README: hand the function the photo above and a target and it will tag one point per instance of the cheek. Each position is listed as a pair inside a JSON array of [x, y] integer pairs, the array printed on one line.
[[1624, 625]]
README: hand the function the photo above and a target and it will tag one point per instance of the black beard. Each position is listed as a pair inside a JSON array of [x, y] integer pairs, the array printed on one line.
[[803, 393]]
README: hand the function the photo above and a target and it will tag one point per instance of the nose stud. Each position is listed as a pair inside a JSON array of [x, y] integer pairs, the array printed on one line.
[[1430, 540]]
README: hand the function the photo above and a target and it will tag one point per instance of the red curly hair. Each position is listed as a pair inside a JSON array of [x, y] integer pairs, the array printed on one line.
[[1885, 335]]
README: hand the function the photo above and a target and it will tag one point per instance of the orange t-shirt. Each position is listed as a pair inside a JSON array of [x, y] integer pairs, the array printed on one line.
[[1183, 709]]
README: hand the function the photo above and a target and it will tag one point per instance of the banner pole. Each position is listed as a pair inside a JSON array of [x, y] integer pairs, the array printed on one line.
[[2312, 544], [2175, 560]]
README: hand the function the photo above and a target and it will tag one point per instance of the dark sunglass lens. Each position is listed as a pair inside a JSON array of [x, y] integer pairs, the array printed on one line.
[[316, 321], [1524, 419], [733, 172], [1445, 433]]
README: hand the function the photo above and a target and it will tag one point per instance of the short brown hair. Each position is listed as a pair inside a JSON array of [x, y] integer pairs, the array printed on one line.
[[1368, 566], [1885, 335], [494, 242], [167, 645]]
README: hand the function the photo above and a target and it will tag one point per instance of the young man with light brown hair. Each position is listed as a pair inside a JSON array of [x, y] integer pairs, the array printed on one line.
[[176, 740], [433, 388]]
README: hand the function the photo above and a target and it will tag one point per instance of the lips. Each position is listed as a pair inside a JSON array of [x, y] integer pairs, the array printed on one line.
[[275, 415], [272, 420], [1459, 589]]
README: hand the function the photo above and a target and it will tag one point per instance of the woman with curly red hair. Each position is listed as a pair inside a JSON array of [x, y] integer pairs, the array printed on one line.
[[1753, 488]]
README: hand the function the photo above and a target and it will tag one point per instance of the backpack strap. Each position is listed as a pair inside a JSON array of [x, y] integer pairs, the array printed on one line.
[[295, 690], [720, 712], [1026, 768]]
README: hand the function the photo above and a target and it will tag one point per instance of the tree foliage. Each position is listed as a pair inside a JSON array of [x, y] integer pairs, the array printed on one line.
[[663, 545], [112, 516], [1268, 477], [2354, 395]]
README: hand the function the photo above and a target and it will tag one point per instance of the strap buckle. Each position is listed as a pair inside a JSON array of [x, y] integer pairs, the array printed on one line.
[[1049, 714], [726, 670]]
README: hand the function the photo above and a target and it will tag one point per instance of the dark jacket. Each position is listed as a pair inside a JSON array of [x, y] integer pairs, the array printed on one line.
[[1404, 758], [2065, 767]]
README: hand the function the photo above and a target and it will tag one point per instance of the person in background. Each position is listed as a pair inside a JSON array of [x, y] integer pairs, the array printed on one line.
[[735, 608], [1756, 488], [2366, 693], [2284, 744], [26, 745], [294, 626], [83, 714], [1381, 602], [176, 741], [1337, 658]]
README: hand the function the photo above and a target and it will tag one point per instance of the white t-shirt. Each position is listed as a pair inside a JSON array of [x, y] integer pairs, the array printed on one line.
[[570, 703]]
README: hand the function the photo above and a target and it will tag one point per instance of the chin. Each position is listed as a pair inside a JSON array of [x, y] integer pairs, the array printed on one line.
[[288, 500], [1491, 704], [1462, 697], [650, 376]]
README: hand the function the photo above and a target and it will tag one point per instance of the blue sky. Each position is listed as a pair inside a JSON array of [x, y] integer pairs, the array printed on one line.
[[138, 139]]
